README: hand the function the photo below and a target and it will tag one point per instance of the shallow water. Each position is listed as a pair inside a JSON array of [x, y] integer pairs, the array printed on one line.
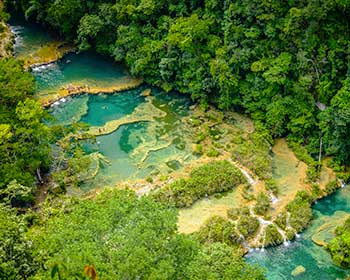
[[29, 37], [135, 150], [192, 218], [140, 149], [281, 261], [85, 68]]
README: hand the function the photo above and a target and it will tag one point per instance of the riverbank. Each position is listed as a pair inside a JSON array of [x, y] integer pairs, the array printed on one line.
[[46, 54], [123, 84], [6, 40]]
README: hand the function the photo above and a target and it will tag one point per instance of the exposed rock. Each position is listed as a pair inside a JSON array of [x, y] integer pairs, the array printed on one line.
[[325, 232], [6, 40], [146, 92], [298, 270]]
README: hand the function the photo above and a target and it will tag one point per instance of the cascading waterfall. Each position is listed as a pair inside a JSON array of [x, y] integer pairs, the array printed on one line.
[[273, 198], [245, 173]]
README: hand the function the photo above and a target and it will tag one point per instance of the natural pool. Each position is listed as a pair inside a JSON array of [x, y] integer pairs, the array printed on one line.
[[29, 37], [282, 260], [134, 150], [140, 149]]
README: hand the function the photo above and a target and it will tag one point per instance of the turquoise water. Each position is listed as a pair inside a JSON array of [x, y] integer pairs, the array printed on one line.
[[85, 68], [131, 149], [280, 261], [29, 37], [134, 150]]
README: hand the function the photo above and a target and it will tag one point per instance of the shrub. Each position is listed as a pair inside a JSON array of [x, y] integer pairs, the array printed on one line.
[[248, 225], [339, 247], [281, 220], [272, 186], [233, 213], [272, 236], [316, 192], [213, 153], [262, 204], [218, 229], [300, 211], [313, 171], [208, 179], [331, 187]]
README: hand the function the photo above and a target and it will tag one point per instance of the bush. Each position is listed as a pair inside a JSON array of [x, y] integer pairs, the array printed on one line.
[[316, 192], [254, 153], [272, 186], [331, 187], [16, 257], [262, 204], [300, 211], [218, 229], [248, 225], [272, 236], [313, 171], [213, 153], [208, 179], [233, 213], [281, 220], [339, 247]]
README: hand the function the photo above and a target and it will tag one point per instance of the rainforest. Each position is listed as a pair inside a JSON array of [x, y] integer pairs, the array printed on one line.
[[178, 139]]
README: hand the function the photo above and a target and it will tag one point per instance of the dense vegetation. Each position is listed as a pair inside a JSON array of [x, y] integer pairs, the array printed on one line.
[[284, 63], [339, 247], [114, 236], [24, 139], [205, 180]]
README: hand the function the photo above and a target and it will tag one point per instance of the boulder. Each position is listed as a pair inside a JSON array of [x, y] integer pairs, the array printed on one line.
[[298, 270]]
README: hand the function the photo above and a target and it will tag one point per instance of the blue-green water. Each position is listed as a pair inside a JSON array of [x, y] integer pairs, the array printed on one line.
[[130, 148], [134, 150], [280, 261], [127, 145], [29, 37], [84, 68]]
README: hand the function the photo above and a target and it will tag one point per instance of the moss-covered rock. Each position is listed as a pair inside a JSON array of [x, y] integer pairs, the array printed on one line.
[[298, 270]]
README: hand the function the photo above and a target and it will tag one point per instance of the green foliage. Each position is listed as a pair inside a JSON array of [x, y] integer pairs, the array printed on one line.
[[16, 253], [300, 211], [254, 154], [219, 261], [262, 204], [281, 220], [272, 236], [208, 179], [283, 63], [121, 236], [313, 171], [70, 164], [247, 225], [233, 213], [331, 187], [24, 138], [271, 185], [218, 229], [339, 247]]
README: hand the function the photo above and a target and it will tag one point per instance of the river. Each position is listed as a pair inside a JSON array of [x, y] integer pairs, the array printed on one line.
[[140, 149]]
